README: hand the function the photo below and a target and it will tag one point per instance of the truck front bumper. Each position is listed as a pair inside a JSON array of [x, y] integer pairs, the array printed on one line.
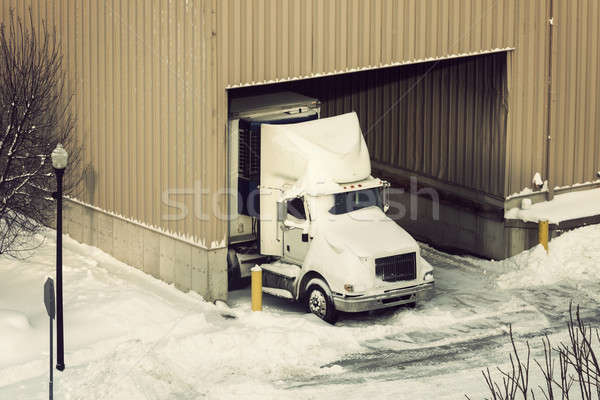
[[389, 298]]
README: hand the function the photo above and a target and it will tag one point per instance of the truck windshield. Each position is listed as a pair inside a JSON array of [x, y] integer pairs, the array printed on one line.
[[352, 201]]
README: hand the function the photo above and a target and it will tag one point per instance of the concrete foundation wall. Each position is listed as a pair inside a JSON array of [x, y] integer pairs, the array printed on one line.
[[448, 226], [461, 229], [521, 236], [166, 258]]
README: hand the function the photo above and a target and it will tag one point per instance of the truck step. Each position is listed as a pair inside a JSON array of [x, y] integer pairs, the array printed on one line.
[[247, 261], [252, 259], [283, 293], [280, 276], [283, 269]]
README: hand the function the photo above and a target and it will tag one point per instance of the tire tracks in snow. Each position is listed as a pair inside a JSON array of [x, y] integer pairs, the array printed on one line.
[[479, 339]]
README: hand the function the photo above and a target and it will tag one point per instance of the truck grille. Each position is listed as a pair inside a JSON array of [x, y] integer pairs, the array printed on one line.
[[402, 267]]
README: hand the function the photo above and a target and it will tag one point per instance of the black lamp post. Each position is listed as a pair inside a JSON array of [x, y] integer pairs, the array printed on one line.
[[59, 162]]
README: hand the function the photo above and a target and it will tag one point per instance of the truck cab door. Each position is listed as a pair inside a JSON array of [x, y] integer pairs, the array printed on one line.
[[295, 242]]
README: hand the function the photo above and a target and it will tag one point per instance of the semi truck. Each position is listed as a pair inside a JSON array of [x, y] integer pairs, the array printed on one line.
[[305, 207]]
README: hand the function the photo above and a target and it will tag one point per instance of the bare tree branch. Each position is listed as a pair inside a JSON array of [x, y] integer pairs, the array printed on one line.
[[577, 363], [34, 117]]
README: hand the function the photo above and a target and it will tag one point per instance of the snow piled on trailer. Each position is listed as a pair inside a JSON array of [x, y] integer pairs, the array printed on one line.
[[315, 155]]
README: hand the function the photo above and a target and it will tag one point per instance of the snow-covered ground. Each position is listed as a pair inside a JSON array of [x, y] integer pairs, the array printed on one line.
[[129, 336]]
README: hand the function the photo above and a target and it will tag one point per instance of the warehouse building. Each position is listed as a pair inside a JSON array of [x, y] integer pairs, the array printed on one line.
[[470, 98]]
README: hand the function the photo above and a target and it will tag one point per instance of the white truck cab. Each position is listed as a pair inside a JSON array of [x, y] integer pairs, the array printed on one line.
[[319, 229]]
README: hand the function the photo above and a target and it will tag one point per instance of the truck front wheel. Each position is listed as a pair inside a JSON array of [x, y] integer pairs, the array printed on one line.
[[320, 303]]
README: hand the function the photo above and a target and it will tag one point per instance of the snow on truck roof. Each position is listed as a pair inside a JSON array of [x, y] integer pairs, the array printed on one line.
[[314, 154]]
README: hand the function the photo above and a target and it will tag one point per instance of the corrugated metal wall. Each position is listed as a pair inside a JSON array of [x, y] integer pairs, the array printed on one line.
[[138, 70], [444, 120], [527, 72], [150, 82], [264, 40], [575, 150], [274, 40], [574, 125]]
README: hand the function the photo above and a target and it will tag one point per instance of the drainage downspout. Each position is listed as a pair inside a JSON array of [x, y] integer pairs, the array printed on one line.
[[550, 192]]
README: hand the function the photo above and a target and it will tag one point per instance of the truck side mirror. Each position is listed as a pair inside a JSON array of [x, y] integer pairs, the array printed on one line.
[[281, 210]]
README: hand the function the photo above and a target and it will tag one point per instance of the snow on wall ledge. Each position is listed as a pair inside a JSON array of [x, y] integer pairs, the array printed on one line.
[[528, 191], [175, 235], [563, 207]]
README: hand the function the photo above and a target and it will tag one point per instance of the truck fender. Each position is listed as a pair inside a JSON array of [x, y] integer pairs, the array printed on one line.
[[312, 278]]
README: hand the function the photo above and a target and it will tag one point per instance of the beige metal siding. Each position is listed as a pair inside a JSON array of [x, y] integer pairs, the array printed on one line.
[[574, 125], [527, 67], [144, 99], [575, 150], [149, 80], [272, 40]]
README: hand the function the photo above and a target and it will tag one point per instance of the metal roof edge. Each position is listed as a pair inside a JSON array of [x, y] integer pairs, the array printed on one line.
[[369, 67]]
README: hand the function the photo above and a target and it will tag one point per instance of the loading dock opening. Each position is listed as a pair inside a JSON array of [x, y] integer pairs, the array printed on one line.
[[439, 125]]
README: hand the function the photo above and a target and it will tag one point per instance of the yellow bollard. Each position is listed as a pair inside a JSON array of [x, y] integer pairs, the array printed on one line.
[[543, 234], [256, 273]]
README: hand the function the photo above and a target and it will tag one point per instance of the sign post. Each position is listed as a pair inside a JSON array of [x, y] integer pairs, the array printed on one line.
[[49, 302]]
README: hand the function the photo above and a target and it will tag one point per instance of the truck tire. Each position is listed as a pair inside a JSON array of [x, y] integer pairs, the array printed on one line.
[[320, 303]]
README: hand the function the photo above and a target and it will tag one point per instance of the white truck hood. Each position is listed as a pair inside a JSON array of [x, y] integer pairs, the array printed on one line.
[[367, 233]]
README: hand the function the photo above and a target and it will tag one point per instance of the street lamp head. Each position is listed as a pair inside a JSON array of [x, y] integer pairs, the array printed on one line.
[[59, 157]]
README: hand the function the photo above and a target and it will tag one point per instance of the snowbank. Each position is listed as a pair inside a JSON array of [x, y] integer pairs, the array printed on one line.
[[15, 320], [573, 257]]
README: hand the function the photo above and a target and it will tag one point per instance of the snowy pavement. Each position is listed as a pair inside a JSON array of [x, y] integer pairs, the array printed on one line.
[[129, 336]]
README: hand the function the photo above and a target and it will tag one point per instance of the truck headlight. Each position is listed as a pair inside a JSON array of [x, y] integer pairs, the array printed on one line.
[[348, 287], [428, 276]]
